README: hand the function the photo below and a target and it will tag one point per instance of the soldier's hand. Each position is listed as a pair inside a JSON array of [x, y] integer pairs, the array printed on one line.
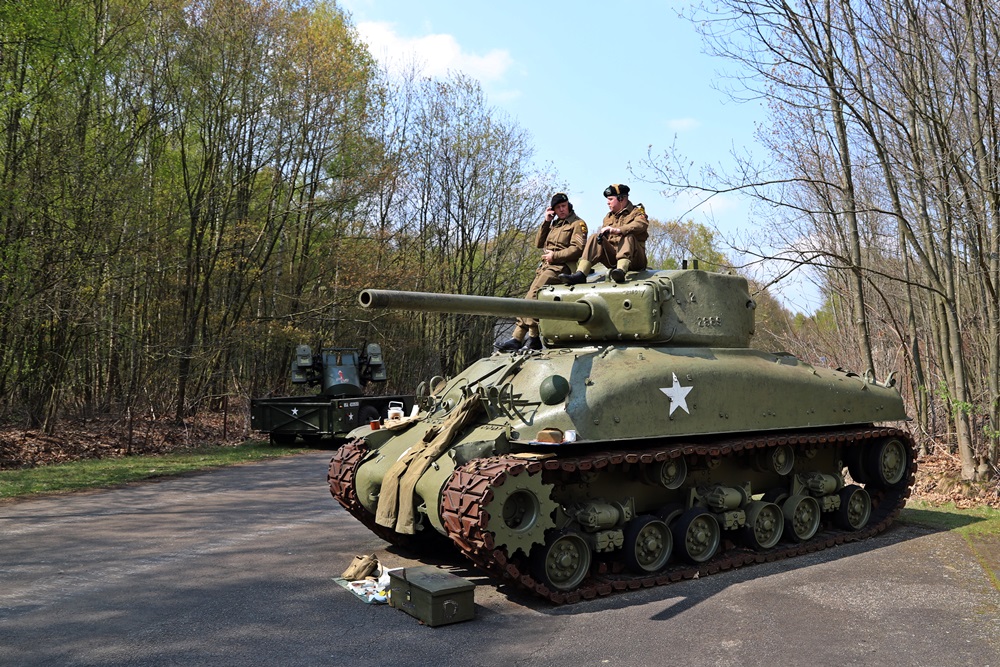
[[549, 214], [547, 256]]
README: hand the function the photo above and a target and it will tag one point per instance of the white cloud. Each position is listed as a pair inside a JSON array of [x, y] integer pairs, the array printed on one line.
[[434, 55], [683, 124]]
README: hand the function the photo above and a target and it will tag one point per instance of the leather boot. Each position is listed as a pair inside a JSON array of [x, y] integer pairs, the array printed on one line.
[[573, 278], [510, 345], [532, 343], [617, 275]]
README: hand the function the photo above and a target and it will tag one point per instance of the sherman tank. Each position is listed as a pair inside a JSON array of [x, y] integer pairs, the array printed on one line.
[[647, 443]]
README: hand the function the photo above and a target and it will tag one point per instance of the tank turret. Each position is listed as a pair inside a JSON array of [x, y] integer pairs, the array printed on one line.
[[647, 443], [694, 308]]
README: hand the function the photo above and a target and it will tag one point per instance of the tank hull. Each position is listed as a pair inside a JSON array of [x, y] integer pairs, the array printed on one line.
[[625, 417]]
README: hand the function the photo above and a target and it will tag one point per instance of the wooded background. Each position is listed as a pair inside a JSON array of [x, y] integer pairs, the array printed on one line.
[[189, 189]]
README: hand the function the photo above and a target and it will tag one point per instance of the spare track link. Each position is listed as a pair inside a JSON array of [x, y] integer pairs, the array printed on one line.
[[469, 489]]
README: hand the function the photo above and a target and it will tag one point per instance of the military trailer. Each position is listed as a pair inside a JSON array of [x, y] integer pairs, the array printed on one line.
[[646, 444], [342, 374]]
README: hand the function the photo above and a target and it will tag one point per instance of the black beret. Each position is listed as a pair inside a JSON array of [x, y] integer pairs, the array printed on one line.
[[558, 198], [616, 190]]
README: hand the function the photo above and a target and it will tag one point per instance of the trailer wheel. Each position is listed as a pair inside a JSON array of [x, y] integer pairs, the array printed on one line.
[[368, 414], [283, 439]]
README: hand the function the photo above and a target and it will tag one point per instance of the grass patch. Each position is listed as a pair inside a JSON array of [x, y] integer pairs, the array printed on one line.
[[976, 521], [106, 473], [978, 526]]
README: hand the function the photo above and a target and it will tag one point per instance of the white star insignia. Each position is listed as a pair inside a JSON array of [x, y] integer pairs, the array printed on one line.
[[295, 412], [677, 395]]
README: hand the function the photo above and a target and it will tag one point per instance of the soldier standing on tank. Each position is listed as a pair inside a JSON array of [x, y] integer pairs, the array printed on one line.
[[620, 244], [561, 237]]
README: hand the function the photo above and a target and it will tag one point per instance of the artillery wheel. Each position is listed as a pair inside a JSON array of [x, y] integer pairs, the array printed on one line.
[[648, 543], [887, 463], [563, 562], [520, 511], [764, 525], [802, 516], [855, 508], [697, 535], [368, 414]]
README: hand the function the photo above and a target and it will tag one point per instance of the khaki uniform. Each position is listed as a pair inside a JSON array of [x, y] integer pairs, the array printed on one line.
[[631, 245], [565, 238]]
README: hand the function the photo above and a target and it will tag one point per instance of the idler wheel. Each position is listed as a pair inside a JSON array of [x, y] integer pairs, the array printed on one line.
[[855, 508], [802, 516], [697, 535], [563, 562], [648, 544], [764, 525], [520, 511], [887, 463]]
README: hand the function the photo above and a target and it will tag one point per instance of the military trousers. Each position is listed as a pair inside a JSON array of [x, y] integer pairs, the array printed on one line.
[[609, 249]]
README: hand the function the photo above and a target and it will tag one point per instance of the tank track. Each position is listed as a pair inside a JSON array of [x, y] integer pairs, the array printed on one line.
[[470, 488], [340, 477]]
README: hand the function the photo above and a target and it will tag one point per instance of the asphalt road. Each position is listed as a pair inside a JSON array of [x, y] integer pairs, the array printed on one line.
[[236, 567]]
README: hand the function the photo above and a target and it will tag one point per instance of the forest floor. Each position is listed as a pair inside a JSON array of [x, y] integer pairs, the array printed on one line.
[[938, 474]]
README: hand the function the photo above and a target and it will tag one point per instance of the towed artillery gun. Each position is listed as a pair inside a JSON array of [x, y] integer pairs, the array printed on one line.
[[646, 444], [340, 406]]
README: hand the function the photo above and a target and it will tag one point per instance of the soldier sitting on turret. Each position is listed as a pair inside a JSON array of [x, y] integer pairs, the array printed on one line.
[[620, 244], [562, 236]]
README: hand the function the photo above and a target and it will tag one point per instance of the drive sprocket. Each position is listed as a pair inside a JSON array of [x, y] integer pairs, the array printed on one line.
[[520, 510]]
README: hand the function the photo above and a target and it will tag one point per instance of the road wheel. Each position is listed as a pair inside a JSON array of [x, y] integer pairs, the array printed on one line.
[[563, 562], [697, 535], [855, 508], [648, 543], [802, 516], [764, 525]]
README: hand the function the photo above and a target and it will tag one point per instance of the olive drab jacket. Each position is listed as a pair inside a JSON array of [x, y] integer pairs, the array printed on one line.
[[565, 237], [631, 220]]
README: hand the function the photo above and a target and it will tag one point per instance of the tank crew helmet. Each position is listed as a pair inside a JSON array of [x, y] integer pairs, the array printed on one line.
[[558, 198], [616, 190]]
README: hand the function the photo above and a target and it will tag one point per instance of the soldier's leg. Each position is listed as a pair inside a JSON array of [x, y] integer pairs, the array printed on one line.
[[546, 275], [591, 253], [631, 254], [524, 326]]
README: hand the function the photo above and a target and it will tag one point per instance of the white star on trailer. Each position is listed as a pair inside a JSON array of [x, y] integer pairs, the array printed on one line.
[[295, 411], [677, 395]]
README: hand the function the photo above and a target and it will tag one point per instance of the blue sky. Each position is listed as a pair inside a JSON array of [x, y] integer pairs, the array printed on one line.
[[596, 84]]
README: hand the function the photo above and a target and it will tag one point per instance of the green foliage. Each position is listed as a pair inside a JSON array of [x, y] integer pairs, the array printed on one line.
[[673, 241], [187, 190]]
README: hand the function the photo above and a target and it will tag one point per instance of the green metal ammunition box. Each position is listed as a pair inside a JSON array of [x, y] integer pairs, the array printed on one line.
[[432, 595]]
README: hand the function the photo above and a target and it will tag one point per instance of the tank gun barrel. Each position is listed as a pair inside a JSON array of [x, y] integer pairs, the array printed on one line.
[[577, 311]]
